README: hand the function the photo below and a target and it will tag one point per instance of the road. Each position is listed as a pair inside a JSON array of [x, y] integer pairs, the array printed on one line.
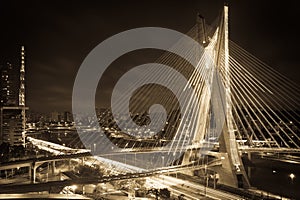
[[189, 189]]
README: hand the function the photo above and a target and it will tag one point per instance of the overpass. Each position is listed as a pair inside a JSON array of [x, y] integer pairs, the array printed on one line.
[[36, 187]]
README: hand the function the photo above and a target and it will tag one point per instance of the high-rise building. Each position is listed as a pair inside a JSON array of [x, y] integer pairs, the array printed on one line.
[[9, 85], [55, 117], [12, 103], [68, 117], [12, 131]]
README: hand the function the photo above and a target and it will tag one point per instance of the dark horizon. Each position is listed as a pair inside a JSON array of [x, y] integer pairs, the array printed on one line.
[[58, 35]]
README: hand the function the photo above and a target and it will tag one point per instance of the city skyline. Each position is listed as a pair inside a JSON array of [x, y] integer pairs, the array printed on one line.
[[58, 36], [155, 100]]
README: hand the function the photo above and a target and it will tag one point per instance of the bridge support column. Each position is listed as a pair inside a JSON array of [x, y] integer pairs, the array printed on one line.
[[226, 172], [237, 176], [70, 164], [32, 170], [186, 157], [249, 156], [60, 175], [83, 189], [53, 167], [215, 181], [29, 172], [249, 168], [186, 160]]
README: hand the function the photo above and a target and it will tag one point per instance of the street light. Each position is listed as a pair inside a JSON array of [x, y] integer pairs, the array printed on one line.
[[163, 165], [95, 147], [292, 176], [205, 179]]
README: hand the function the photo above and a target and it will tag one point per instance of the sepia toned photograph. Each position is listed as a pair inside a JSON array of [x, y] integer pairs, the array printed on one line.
[[149, 100]]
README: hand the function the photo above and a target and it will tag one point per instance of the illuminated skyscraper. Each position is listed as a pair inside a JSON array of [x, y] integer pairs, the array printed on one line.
[[22, 79], [9, 85], [12, 116]]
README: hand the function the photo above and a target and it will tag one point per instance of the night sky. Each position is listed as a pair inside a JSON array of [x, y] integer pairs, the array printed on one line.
[[58, 35]]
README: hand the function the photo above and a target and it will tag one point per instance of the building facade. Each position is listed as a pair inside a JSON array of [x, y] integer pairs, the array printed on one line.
[[12, 103]]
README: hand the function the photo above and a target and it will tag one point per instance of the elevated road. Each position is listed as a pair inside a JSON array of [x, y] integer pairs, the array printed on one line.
[[28, 162], [44, 196], [246, 149], [38, 187]]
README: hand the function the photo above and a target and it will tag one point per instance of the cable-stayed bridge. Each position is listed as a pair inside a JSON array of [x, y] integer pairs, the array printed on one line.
[[241, 105]]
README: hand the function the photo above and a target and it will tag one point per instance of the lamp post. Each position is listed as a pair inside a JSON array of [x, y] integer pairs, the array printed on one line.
[[95, 147], [205, 179], [163, 164], [292, 176]]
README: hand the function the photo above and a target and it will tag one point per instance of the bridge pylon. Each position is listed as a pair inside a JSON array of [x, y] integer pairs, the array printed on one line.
[[232, 171], [231, 159]]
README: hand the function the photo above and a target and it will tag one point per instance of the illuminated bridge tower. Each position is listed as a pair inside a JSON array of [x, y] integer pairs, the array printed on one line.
[[232, 171], [215, 104]]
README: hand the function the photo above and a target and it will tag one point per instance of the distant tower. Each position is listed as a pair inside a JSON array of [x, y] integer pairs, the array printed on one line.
[[22, 78], [22, 93]]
